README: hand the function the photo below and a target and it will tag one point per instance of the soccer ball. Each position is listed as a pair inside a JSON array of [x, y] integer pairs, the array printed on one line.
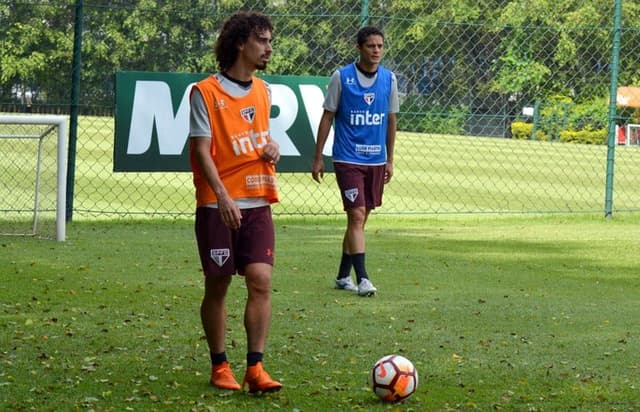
[[393, 378]]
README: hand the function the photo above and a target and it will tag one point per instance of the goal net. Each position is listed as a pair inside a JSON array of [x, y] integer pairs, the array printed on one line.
[[33, 171], [633, 134]]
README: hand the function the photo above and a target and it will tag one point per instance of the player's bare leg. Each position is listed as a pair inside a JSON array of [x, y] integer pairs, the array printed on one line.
[[354, 242], [212, 311], [257, 318], [214, 319]]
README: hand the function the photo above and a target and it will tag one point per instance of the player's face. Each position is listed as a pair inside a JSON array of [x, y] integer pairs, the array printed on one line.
[[371, 51], [257, 50]]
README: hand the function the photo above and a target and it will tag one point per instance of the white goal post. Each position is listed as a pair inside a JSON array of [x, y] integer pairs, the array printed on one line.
[[23, 129]]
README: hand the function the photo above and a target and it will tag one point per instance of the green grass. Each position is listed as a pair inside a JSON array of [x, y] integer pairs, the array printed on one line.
[[497, 313], [434, 174]]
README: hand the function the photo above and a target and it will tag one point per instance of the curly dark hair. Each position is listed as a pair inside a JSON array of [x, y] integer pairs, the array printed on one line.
[[365, 32], [236, 31]]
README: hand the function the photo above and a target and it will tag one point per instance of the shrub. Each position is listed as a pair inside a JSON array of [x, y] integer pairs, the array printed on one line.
[[554, 116], [590, 115], [561, 119], [584, 136], [522, 130]]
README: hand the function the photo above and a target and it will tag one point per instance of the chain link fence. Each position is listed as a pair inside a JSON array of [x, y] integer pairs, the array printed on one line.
[[505, 105]]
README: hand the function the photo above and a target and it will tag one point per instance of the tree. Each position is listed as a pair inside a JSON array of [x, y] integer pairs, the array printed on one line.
[[35, 50], [453, 54], [554, 47]]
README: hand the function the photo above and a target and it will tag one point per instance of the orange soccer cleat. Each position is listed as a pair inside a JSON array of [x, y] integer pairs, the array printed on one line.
[[222, 377], [259, 380]]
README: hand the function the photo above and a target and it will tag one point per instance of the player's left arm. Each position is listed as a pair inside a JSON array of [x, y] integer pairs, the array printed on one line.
[[392, 125], [271, 150]]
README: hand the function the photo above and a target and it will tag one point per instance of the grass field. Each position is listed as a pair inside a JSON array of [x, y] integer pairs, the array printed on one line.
[[434, 174], [497, 313]]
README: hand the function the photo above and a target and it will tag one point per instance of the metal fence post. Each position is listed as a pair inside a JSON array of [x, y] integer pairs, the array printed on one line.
[[613, 91], [73, 113], [364, 13]]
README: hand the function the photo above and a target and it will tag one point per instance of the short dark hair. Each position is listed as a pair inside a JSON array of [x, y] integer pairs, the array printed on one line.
[[365, 32], [236, 31]]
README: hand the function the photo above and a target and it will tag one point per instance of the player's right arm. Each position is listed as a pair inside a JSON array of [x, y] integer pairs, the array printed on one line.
[[317, 166], [330, 105], [201, 148], [200, 142]]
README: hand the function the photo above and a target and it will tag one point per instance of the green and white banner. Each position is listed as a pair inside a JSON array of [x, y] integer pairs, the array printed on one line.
[[152, 120]]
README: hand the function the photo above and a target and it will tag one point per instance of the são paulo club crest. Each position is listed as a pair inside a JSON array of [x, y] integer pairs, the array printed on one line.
[[220, 256], [369, 98], [351, 194], [248, 114]]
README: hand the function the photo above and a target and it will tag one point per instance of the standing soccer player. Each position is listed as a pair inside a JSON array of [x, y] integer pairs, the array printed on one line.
[[233, 162], [362, 98]]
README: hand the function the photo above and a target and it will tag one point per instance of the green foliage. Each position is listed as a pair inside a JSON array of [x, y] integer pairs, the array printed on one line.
[[34, 52], [627, 115], [515, 74], [554, 115], [584, 136], [535, 51], [296, 48], [563, 120], [418, 114], [521, 130], [540, 135], [525, 131], [553, 45], [590, 115]]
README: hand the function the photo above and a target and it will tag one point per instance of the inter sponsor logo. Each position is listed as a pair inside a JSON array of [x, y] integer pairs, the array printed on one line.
[[365, 118], [220, 256], [249, 141]]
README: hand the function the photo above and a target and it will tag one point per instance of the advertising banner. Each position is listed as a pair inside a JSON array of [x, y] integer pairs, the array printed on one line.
[[152, 120]]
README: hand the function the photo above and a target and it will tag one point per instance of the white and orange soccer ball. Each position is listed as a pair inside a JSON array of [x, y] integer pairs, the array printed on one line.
[[393, 378]]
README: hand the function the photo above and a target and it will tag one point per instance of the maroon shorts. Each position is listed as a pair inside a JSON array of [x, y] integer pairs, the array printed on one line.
[[360, 185], [224, 251]]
